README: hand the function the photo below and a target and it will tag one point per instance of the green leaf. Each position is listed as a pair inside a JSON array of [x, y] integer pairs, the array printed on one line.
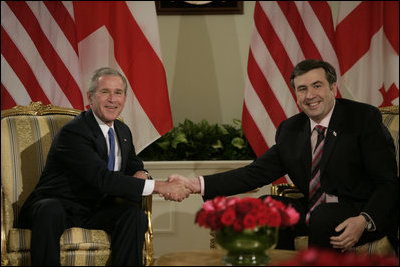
[[164, 144], [179, 138], [238, 142], [217, 144]]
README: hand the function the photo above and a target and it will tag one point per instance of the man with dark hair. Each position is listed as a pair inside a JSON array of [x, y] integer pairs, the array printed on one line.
[[340, 156]]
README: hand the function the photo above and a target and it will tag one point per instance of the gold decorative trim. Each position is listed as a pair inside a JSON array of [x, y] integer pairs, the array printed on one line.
[[390, 109], [4, 260], [38, 109], [148, 242]]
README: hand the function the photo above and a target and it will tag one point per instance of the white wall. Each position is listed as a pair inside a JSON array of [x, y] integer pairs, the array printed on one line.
[[205, 58]]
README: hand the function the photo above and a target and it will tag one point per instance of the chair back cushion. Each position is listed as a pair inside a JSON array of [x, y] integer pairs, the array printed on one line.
[[390, 117], [25, 142]]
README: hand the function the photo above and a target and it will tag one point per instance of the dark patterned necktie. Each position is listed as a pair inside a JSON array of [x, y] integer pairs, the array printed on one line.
[[316, 196], [111, 156]]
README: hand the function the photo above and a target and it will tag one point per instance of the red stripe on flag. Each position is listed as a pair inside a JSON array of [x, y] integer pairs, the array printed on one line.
[[356, 30], [48, 54], [253, 134], [307, 45], [64, 20], [144, 67], [264, 92], [391, 23], [22, 69], [273, 43], [324, 14], [6, 99]]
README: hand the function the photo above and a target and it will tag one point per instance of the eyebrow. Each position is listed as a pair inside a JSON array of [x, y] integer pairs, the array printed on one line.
[[314, 83]]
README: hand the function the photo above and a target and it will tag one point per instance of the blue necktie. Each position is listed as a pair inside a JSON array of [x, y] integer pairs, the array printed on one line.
[[111, 156]]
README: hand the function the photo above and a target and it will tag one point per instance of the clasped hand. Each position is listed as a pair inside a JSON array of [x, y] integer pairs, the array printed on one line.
[[177, 188]]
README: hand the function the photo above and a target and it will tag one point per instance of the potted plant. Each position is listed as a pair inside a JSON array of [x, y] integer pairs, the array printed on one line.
[[200, 141]]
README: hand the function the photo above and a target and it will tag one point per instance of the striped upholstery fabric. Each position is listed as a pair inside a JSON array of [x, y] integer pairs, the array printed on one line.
[[78, 247], [25, 142], [390, 117]]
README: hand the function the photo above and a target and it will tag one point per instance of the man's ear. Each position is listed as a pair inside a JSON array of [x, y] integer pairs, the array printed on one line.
[[89, 97], [334, 89]]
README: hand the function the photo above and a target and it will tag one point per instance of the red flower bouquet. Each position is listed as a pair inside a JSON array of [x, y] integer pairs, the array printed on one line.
[[245, 213], [246, 227]]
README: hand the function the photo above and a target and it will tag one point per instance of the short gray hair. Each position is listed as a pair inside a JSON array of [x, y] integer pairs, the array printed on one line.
[[105, 71]]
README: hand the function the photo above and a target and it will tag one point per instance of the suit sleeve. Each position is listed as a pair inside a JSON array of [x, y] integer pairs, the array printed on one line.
[[264, 170], [77, 152], [378, 151]]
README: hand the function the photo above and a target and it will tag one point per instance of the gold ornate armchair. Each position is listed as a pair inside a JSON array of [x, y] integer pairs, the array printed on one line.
[[390, 117], [26, 136]]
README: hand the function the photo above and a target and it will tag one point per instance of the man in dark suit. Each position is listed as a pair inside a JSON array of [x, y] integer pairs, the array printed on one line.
[[357, 170], [93, 179]]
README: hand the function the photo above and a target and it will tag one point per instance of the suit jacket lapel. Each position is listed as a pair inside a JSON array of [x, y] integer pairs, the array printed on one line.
[[100, 141], [333, 132], [123, 138], [306, 146]]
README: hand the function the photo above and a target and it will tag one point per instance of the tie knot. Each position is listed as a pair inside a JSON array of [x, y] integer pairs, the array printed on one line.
[[111, 132], [320, 129]]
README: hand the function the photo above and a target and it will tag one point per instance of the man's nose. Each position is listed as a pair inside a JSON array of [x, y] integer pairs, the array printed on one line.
[[310, 93]]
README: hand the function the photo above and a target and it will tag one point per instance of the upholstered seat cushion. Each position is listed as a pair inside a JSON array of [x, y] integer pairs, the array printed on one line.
[[78, 247], [72, 239]]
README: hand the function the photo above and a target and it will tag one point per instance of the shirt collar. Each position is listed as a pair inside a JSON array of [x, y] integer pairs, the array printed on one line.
[[104, 127], [325, 121]]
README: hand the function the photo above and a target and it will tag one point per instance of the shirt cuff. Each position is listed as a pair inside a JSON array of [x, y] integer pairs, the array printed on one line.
[[148, 187], [201, 178]]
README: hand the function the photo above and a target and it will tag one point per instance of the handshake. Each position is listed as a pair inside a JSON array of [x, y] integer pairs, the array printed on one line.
[[177, 187]]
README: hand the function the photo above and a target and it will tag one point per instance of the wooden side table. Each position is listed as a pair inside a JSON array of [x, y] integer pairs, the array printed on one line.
[[211, 257]]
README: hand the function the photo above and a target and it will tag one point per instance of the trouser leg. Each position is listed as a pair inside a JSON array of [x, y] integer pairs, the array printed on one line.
[[127, 225], [326, 217], [128, 238], [48, 222]]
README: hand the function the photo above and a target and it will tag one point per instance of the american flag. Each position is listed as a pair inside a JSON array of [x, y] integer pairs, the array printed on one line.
[[50, 49], [363, 48]]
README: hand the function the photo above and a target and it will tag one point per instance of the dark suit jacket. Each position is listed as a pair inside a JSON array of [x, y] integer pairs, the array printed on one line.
[[358, 163], [76, 167]]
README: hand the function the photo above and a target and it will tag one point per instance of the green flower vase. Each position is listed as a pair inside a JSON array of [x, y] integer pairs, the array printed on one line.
[[249, 247]]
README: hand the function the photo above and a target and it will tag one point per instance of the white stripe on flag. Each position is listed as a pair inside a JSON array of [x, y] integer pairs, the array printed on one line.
[[283, 30], [272, 74], [58, 40], [10, 80]]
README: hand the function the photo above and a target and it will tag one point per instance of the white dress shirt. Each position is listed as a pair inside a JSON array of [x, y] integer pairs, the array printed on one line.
[[148, 184]]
